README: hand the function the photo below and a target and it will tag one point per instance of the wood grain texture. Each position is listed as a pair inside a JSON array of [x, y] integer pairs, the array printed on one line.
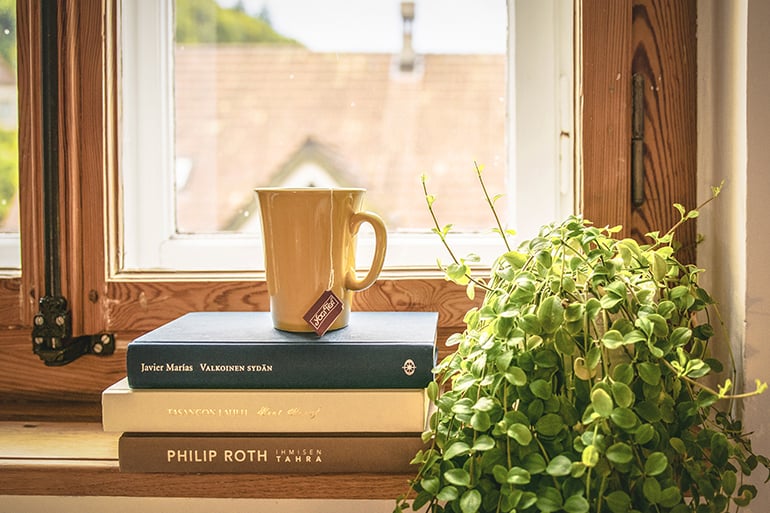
[[84, 164], [655, 38], [606, 114], [78, 478], [664, 53], [144, 305], [10, 303], [30, 155]]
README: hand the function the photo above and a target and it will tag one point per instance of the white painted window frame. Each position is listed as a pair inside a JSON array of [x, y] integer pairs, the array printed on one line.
[[539, 134], [10, 253]]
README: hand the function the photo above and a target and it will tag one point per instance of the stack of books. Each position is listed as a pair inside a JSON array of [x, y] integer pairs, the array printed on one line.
[[226, 392]]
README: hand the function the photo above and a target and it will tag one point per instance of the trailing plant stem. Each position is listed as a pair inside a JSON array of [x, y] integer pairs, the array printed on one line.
[[492, 206]]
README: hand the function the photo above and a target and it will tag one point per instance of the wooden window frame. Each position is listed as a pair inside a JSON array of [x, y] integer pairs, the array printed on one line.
[[101, 299]]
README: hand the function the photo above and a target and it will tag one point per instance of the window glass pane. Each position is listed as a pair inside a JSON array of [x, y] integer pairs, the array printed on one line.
[[10, 254], [366, 94], [9, 154]]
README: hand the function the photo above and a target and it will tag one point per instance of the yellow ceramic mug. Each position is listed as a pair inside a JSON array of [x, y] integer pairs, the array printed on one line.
[[310, 243]]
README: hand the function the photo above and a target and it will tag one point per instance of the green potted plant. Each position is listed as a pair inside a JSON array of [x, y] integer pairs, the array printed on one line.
[[581, 384]]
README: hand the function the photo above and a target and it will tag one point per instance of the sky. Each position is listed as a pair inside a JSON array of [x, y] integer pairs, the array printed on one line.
[[440, 26]]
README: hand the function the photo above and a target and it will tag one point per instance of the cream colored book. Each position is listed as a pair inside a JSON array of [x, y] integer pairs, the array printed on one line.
[[263, 411]]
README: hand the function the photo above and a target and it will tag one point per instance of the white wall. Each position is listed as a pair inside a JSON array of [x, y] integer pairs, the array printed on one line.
[[734, 145]]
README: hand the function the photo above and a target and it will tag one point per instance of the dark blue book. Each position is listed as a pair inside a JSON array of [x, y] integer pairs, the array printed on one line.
[[243, 350]]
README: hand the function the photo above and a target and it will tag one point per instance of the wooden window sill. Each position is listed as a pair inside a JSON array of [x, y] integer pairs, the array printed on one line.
[[79, 459]]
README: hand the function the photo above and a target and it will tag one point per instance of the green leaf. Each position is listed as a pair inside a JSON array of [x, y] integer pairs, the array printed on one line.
[[483, 443], [518, 476], [432, 391], [576, 504], [515, 259], [670, 497], [648, 410], [624, 418], [678, 446], [470, 501], [503, 361], [590, 456], [644, 434], [479, 365], [448, 493], [729, 481], [746, 494], [549, 424], [618, 502], [564, 342], [500, 473], [649, 372], [516, 376], [541, 388], [609, 302], [593, 357], [666, 309], [659, 267], [534, 463], [547, 358], [623, 373], [484, 404], [612, 339], [549, 500], [593, 306], [622, 393], [680, 336], [551, 313], [480, 421], [464, 382], [602, 402], [620, 453], [421, 500], [559, 466], [651, 490], [458, 477], [456, 449], [634, 337], [531, 324], [430, 484], [520, 433], [655, 464], [719, 449]]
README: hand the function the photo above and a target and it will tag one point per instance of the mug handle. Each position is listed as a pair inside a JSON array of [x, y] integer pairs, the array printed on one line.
[[381, 242]]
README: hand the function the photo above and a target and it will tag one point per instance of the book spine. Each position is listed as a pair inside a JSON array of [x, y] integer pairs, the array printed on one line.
[[138, 452], [240, 411], [319, 365]]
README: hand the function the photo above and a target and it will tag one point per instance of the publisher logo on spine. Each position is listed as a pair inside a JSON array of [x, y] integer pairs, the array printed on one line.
[[409, 367]]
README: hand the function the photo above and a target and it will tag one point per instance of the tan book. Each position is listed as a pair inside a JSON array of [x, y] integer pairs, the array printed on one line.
[[268, 454], [263, 411]]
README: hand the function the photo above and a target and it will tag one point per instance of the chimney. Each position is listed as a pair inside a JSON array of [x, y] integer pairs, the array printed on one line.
[[406, 61]]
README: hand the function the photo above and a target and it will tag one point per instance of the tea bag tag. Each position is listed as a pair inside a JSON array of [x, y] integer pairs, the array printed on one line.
[[324, 312]]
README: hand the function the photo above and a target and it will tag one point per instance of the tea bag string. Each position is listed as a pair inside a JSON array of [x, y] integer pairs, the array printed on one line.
[[331, 242]]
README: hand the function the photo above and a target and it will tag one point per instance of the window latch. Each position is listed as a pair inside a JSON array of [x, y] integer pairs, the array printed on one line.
[[52, 338]]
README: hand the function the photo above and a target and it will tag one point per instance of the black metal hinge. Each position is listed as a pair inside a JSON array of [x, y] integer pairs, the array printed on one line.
[[637, 140], [52, 338]]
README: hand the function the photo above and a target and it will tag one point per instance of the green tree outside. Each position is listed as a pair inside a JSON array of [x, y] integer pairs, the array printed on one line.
[[205, 21]]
